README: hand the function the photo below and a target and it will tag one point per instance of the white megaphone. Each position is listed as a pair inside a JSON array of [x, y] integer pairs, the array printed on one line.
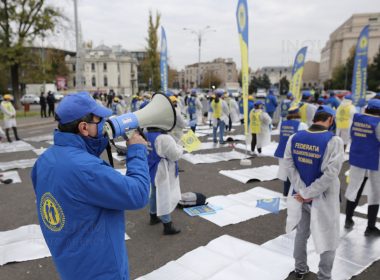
[[159, 113]]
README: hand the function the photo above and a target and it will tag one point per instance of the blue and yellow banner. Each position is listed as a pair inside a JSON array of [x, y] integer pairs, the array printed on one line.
[[242, 23], [297, 73], [359, 76], [164, 62]]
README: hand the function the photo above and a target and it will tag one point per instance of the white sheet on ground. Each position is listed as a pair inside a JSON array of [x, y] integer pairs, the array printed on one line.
[[39, 151], [11, 175], [210, 145], [240, 207], [267, 151], [263, 173], [15, 164], [354, 254], [225, 257], [214, 157], [15, 146], [41, 138], [238, 137], [24, 244]]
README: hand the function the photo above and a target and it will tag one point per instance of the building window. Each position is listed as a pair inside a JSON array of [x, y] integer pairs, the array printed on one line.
[[74, 82], [93, 67], [74, 67], [373, 19], [105, 67], [105, 81], [118, 81], [93, 81], [118, 67]]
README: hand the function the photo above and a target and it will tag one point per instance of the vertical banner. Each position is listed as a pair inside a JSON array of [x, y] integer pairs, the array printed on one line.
[[242, 23], [297, 73], [164, 62], [359, 76]]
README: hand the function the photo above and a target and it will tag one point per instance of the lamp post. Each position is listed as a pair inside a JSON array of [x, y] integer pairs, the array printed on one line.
[[199, 33]]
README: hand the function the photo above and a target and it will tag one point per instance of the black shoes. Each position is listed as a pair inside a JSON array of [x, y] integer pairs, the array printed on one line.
[[374, 232], [349, 224], [154, 219], [169, 229], [300, 274]]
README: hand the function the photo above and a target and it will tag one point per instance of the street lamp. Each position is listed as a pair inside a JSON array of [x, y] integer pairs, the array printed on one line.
[[199, 33]]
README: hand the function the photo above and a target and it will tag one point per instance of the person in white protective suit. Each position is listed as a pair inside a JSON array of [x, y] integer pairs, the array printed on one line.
[[194, 106], [259, 125], [307, 109], [344, 115], [9, 112], [233, 107], [163, 169], [289, 126], [180, 124], [365, 170], [314, 158]]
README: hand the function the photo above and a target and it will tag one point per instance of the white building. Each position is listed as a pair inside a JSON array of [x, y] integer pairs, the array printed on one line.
[[275, 73], [106, 68], [344, 38]]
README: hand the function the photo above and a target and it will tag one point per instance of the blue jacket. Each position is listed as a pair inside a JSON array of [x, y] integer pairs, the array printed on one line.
[[333, 102], [270, 103], [80, 204]]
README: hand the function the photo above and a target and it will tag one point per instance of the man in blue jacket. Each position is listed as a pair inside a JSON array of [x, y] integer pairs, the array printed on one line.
[[81, 199], [271, 103]]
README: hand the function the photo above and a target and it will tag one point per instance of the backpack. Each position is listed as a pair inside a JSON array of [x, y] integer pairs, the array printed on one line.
[[191, 199]]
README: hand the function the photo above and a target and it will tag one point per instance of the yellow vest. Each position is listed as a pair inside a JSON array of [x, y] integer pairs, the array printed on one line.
[[255, 121], [343, 116], [7, 105], [216, 109], [303, 113]]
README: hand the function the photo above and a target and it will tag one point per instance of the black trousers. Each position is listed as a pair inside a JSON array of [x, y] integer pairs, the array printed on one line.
[[254, 142], [43, 111], [372, 209]]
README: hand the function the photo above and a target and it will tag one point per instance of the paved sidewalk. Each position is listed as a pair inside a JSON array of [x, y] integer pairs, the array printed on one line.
[[34, 121]]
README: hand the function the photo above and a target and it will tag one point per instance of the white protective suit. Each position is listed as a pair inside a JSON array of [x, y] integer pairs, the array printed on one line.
[[282, 173], [225, 113], [197, 117], [344, 133], [9, 113], [234, 110], [264, 137], [325, 209], [372, 186], [168, 190], [310, 112]]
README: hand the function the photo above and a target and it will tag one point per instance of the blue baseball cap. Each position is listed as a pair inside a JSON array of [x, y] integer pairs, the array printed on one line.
[[326, 109], [77, 105], [374, 104], [306, 94], [348, 96], [219, 92], [259, 102], [289, 94]]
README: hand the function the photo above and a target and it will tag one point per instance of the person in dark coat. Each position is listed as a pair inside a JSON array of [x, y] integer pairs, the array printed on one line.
[[43, 105], [51, 103]]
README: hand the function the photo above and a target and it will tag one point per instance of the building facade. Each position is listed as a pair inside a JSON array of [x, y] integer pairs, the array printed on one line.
[[274, 73], [224, 69], [343, 40], [140, 56], [106, 68]]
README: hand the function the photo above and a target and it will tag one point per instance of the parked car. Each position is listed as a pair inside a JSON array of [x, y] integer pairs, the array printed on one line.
[[261, 93], [30, 99], [58, 96]]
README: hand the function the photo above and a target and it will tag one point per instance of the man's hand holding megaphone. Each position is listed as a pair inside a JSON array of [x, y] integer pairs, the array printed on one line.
[[136, 138]]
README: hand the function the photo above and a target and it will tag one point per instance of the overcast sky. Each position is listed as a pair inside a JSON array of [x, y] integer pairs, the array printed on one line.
[[277, 28]]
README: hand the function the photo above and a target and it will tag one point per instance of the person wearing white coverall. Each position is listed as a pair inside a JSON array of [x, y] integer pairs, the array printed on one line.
[[307, 109], [344, 115], [9, 113], [365, 166], [163, 170], [289, 126], [233, 107], [314, 158], [259, 125], [194, 109]]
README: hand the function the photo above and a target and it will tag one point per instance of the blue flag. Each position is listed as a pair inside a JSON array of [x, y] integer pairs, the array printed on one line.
[[272, 204], [359, 76], [164, 62], [297, 73]]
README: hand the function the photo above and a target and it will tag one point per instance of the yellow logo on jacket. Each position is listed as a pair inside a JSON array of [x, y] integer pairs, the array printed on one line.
[[51, 212]]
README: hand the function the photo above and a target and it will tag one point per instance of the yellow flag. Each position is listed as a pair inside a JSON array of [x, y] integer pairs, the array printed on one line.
[[190, 141]]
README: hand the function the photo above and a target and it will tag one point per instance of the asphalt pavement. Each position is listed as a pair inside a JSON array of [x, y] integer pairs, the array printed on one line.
[[148, 249]]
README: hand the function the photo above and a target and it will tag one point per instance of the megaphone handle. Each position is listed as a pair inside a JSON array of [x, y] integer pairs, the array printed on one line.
[[141, 132]]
